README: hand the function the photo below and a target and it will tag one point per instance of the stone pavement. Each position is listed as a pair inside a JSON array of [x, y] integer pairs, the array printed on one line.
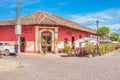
[[68, 68], [47, 55], [8, 64]]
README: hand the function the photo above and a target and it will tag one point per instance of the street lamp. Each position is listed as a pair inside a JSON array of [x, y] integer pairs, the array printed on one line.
[[97, 22], [18, 26]]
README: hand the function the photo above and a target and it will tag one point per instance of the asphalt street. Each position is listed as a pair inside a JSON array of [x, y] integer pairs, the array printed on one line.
[[65, 68]]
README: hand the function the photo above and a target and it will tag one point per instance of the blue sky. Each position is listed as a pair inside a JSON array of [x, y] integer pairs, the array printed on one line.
[[84, 12]]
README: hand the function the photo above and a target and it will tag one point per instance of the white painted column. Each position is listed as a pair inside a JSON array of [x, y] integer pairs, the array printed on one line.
[[36, 37], [56, 36], [56, 32]]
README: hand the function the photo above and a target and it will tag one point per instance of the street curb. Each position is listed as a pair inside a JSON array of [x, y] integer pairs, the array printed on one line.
[[12, 66]]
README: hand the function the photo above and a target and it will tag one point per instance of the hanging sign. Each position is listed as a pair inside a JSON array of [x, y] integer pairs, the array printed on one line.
[[18, 29]]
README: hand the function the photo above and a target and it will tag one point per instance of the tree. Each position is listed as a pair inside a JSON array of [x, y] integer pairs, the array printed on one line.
[[103, 30], [114, 37]]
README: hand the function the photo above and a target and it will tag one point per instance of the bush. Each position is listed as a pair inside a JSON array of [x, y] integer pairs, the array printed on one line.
[[67, 48], [105, 48], [90, 48], [102, 48]]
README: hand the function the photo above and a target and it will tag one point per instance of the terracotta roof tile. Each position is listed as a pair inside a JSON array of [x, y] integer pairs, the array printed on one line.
[[44, 18]]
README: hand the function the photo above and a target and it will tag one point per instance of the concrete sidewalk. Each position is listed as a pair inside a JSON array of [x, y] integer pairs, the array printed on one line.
[[8, 64]]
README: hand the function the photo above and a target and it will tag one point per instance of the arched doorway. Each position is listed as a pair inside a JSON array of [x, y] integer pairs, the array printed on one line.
[[47, 36]]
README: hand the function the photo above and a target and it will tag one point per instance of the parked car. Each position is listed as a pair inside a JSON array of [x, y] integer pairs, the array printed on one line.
[[6, 48]]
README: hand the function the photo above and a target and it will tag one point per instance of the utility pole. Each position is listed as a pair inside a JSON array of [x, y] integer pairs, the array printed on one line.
[[97, 22], [18, 26]]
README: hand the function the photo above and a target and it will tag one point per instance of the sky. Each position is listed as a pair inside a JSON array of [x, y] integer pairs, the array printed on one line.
[[84, 12]]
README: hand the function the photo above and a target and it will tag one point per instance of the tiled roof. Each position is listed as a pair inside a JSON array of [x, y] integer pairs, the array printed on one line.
[[7, 22], [44, 18]]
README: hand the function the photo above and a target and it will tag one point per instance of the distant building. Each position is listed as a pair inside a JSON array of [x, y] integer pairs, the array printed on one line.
[[43, 25]]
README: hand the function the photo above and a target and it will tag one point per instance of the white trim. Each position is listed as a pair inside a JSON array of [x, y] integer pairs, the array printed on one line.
[[36, 37]]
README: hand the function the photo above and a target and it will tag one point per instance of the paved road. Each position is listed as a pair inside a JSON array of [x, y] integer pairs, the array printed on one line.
[[68, 68]]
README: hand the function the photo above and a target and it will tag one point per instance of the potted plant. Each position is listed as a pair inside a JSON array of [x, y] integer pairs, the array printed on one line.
[[44, 50], [90, 49], [68, 49], [42, 42]]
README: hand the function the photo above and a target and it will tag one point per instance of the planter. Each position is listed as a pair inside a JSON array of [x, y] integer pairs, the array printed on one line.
[[90, 55], [95, 55], [69, 54]]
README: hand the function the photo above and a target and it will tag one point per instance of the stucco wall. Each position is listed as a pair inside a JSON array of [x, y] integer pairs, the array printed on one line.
[[68, 33], [28, 32], [7, 33]]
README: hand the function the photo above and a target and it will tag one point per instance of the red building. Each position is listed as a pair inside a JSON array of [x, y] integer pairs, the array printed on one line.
[[43, 25]]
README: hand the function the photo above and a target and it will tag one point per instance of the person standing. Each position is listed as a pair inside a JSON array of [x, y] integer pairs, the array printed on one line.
[[1, 50], [16, 49]]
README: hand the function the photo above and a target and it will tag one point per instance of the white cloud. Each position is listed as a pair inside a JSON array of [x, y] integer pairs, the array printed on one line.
[[101, 16], [114, 26], [82, 19], [110, 18]]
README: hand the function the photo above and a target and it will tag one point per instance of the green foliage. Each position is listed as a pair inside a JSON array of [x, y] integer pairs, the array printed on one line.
[[67, 48], [44, 50], [119, 39], [102, 48], [90, 48], [42, 41], [103, 30], [105, 48], [114, 37]]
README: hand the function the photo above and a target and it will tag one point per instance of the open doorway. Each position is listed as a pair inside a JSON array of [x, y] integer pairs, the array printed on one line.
[[22, 44], [73, 39]]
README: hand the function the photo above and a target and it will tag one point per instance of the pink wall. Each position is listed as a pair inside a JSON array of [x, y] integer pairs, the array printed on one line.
[[7, 33], [28, 32], [68, 33]]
